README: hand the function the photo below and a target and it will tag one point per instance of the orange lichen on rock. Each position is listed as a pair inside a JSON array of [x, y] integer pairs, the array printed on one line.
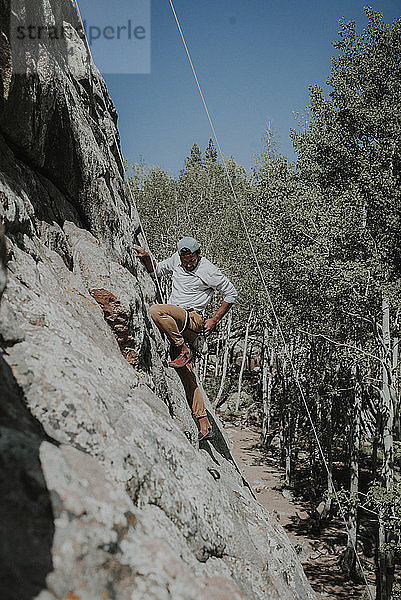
[[118, 319]]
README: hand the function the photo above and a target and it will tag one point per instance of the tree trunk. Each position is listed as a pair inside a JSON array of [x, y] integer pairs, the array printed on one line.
[[296, 438], [349, 559], [218, 345], [237, 404], [267, 384], [287, 451], [376, 440], [396, 386], [312, 466], [225, 361], [330, 486], [204, 360], [387, 400], [385, 562]]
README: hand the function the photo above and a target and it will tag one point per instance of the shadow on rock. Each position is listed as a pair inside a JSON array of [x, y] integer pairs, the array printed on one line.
[[219, 445], [26, 524], [218, 442]]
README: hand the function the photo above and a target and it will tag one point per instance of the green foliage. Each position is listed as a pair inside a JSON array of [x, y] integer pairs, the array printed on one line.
[[333, 226], [351, 147], [211, 152], [199, 203], [195, 157], [387, 503], [326, 232], [379, 503]]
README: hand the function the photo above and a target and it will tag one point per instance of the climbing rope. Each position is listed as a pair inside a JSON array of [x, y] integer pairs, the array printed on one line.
[[276, 319], [117, 145]]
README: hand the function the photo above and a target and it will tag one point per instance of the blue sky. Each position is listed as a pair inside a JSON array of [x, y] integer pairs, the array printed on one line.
[[255, 60]]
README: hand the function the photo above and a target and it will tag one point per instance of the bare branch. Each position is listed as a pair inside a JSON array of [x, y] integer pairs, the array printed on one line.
[[338, 344]]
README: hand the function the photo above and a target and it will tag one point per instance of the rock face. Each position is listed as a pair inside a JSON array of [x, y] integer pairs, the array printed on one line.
[[104, 491], [119, 321]]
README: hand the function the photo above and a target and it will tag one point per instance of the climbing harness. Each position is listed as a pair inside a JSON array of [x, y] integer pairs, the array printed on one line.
[[187, 321], [276, 319]]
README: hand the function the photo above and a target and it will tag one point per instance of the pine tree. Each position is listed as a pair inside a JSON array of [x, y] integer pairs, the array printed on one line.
[[195, 157], [210, 152]]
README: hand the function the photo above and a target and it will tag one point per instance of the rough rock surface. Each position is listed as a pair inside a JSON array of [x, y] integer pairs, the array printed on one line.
[[119, 321], [103, 489]]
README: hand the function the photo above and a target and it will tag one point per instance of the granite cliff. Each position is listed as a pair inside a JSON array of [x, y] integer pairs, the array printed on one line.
[[104, 491]]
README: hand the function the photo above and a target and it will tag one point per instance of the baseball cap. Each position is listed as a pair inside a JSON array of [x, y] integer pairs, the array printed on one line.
[[188, 243]]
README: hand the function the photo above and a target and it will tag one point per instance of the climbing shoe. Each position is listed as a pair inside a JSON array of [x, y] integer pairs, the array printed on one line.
[[207, 436], [182, 359]]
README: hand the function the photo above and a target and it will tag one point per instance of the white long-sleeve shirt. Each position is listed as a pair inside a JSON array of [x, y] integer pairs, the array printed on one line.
[[194, 289]]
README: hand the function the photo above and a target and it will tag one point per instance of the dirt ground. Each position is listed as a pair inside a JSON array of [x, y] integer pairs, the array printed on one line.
[[319, 552]]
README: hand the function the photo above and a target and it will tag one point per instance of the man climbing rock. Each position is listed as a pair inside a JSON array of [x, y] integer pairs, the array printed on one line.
[[194, 279]]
